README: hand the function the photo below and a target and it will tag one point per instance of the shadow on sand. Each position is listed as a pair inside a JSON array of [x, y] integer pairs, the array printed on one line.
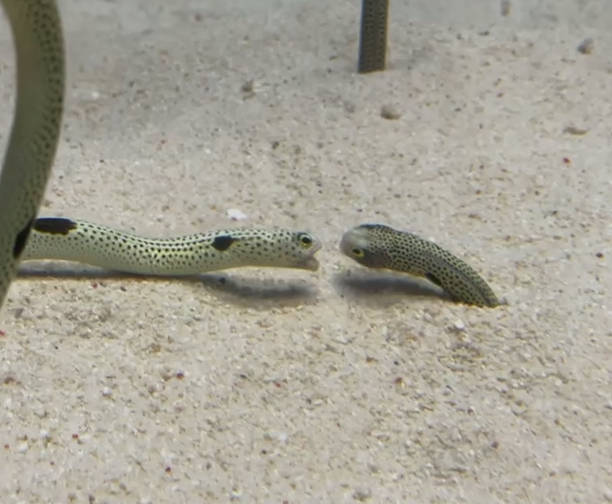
[[383, 289], [233, 288]]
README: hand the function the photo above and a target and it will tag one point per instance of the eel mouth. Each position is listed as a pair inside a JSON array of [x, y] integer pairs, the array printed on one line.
[[311, 263], [346, 244]]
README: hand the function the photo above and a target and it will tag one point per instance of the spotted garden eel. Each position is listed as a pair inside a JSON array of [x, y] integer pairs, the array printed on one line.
[[379, 246], [31, 148], [77, 240]]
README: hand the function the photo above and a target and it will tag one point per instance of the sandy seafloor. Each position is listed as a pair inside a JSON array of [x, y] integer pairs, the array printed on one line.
[[343, 385]]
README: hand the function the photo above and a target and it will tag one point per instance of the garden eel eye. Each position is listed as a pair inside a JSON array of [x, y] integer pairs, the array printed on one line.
[[305, 240], [357, 252]]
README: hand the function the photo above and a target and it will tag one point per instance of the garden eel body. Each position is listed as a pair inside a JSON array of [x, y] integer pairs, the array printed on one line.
[[379, 246], [77, 240], [39, 51], [37, 34], [373, 35]]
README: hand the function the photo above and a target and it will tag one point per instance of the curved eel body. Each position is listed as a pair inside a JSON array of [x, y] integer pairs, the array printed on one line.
[[39, 48], [77, 240], [379, 246]]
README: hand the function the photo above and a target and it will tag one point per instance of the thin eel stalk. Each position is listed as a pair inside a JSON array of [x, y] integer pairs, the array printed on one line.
[[373, 37]]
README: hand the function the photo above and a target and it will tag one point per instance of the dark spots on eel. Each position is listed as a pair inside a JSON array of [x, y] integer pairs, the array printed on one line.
[[54, 225], [223, 242], [22, 238]]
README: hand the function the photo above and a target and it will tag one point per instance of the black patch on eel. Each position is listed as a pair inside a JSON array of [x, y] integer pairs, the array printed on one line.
[[54, 225], [432, 278], [20, 241], [223, 242]]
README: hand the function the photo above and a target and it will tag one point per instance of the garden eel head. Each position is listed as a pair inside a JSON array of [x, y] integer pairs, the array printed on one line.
[[291, 249], [367, 245], [378, 246]]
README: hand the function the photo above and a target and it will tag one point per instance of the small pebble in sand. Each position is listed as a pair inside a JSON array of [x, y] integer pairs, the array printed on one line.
[[362, 494], [235, 214], [586, 46], [573, 130], [248, 88], [459, 325], [390, 112]]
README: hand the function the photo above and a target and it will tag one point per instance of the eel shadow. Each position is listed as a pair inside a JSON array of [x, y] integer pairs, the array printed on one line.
[[237, 288], [262, 293], [384, 289]]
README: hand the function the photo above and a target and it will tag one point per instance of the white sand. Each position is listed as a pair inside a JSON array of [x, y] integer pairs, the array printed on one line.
[[343, 385]]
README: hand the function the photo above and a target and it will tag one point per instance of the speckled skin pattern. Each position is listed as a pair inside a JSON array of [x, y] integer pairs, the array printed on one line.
[[373, 35], [379, 246], [31, 148], [76, 240]]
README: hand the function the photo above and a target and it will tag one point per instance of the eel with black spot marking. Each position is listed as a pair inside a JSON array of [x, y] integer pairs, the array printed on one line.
[[37, 33], [77, 240], [223, 242], [380, 246]]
